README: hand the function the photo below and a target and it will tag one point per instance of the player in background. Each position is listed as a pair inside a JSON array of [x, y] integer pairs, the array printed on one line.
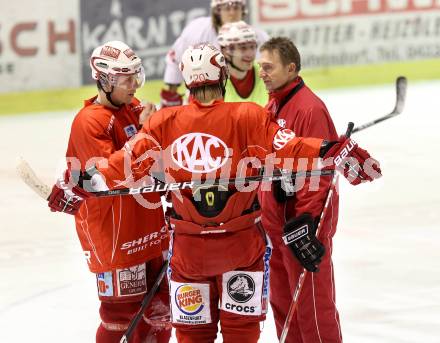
[[124, 239], [219, 254], [200, 30], [297, 108], [238, 43]]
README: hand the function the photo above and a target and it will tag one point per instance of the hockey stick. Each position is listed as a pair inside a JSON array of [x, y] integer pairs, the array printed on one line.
[[401, 85], [174, 186], [31, 179], [303, 274], [145, 302]]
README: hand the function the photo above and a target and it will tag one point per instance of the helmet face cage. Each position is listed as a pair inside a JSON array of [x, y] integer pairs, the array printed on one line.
[[115, 64]]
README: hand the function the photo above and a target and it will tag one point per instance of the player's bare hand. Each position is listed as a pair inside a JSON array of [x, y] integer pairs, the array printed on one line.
[[148, 109]]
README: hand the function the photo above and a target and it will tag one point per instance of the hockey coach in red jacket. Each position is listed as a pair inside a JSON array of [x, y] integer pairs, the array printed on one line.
[[294, 106]]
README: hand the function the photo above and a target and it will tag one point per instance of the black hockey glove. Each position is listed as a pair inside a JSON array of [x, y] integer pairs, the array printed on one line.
[[283, 189], [299, 236]]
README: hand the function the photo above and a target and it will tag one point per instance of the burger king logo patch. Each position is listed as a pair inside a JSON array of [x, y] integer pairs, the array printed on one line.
[[190, 303], [189, 299]]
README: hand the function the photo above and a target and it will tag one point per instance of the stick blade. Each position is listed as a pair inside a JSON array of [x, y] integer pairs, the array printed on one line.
[[401, 86], [29, 177]]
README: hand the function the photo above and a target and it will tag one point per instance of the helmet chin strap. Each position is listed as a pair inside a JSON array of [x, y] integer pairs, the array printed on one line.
[[233, 65], [223, 82], [108, 95], [223, 85]]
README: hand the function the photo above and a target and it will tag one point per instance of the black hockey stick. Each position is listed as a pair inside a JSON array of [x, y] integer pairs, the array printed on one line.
[[174, 186], [145, 302], [401, 84], [28, 175]]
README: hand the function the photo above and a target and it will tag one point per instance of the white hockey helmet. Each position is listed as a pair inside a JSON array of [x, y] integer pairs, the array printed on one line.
[[236, 33], [215, 3], [115, 63], [203, 65]]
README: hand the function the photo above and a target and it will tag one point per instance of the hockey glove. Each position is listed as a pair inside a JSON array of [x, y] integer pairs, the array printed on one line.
[[283, 189], [66, 195], [170, 98], [299, 236], [349, 159]]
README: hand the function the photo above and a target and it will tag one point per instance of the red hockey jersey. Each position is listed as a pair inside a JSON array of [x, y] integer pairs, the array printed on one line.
[[121, 231]]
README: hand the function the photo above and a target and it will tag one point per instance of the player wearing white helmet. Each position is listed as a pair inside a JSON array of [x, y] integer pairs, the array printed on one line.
[[206, 287], [238, 43], [122, 239], [219, 254], [227, 11], [117, 69], [204, 68], [200, 30]]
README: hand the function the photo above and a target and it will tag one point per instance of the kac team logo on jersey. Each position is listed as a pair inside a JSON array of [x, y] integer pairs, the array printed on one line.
[[281, 122], [199, 152], [189, 300], [282, 137], [241, 288]]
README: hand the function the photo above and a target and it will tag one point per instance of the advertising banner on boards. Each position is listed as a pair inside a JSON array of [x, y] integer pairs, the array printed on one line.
[[39, 45], [148, 27], [353, 32]]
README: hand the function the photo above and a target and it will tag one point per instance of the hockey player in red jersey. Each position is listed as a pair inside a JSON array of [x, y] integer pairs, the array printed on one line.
[[297, 108], [123, 239], [219, 255]]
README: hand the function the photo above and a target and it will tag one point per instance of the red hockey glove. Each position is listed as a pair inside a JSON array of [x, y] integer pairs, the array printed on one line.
[[66, 195], [353, 162], [170, 98]]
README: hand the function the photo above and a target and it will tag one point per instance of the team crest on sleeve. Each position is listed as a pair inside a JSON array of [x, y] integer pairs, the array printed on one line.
[[282, 137], [199, 152], [130, 130], [242, 292], [281, 122], [190, 303]]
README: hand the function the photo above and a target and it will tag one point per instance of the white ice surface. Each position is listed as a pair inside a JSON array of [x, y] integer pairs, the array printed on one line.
[[386, 253]]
